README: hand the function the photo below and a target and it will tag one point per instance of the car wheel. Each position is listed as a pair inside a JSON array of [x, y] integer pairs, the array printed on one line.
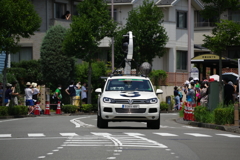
[[101, 123]]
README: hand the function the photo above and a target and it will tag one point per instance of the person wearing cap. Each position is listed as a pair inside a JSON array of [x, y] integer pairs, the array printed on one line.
[[29, 99], [14, 96], [8, 93], [71, 91], [196, 81]]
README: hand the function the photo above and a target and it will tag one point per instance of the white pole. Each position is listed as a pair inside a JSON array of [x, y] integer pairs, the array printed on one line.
[[189, 39], [112, 41], [239, 80]]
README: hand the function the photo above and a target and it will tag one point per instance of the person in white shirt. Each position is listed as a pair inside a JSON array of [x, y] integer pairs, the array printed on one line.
[[29, 99]]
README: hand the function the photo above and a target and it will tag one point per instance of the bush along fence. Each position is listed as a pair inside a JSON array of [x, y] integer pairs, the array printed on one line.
[[13, 111], [220, 115]]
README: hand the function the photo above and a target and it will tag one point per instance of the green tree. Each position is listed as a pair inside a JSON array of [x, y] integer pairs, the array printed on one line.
[[57, 68], [18, 19], [88, 28], [214, 8], [145, 22], [226, 34]]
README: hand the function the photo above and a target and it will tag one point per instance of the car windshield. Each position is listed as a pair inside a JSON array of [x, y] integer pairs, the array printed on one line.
[[128, 84]]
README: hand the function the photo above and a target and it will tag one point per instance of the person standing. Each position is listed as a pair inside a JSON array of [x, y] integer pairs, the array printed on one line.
[[71, 91], [8, 93], [14, 96], [84, 93], [58, 94], [29, 99], [35, 92], [228, 93], [177, 98], [78, 95]]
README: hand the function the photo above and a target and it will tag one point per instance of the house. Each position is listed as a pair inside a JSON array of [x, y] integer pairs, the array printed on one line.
[[175, 22]]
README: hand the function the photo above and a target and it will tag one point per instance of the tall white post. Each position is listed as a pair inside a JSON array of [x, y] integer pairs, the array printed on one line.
[[112, 41], [189, 39]]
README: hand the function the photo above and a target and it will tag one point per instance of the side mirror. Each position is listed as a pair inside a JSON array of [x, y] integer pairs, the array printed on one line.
[[159, 91], [98, 90]]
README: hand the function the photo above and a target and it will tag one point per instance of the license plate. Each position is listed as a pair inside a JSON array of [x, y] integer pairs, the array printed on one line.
[[130, 106]]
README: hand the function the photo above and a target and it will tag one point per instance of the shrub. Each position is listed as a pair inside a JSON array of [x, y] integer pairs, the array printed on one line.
[[224, 115], [18, 110], [163, 106], [201, 114], [87, 107], [158, 77], [69, 108], [3, 111]]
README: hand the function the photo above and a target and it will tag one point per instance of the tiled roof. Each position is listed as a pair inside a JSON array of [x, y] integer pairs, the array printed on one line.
[[119, 1], [165, 2]]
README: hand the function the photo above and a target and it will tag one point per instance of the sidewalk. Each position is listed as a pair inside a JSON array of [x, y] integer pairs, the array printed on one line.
[[234, 129]]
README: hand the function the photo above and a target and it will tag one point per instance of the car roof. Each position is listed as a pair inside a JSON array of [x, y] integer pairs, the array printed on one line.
[[128, 77]]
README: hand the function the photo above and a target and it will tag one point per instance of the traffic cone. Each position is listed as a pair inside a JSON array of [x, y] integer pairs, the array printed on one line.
[[37, 109], [47, 109], [58, 111]]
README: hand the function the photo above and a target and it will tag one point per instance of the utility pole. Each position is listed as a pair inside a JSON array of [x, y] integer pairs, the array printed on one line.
[[189, 39], [112, 10]]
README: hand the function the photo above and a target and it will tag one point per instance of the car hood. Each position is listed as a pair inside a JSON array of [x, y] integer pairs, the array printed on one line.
[[129, 95]]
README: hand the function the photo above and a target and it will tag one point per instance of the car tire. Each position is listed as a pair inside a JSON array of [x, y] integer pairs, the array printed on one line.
[[101, 123], [155, 124]]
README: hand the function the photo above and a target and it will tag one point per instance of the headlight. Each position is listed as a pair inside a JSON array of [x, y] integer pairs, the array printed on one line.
[[108, 100], [152, 100]]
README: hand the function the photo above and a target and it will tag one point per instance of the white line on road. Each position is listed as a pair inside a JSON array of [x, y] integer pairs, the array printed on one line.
[[166, 134], [229, 135], [5, 135], [36, 135], [197, 135], [68, 134], [79, 123]]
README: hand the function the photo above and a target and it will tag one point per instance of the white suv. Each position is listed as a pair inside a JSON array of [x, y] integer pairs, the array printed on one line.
[[128, 98]]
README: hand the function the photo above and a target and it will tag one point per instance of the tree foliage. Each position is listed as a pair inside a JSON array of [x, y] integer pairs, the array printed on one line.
[[214, 8], [225, 34], [88, 28], [57, 68], [150, 38], [18, 19]]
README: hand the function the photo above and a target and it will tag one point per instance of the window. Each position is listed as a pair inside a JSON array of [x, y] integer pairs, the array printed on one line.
[[75, 12], [25, 53], [114, 14], [234, 16], [181, 19], [59, 10], [181, 60]]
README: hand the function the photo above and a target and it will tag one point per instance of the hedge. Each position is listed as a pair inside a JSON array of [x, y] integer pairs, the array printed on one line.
[[68, 108]]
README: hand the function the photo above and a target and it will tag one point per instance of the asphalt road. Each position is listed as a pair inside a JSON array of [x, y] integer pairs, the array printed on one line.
[[77, 137]]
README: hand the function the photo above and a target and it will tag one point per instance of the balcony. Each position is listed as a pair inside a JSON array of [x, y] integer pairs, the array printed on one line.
[[204, 24], [62, 22]]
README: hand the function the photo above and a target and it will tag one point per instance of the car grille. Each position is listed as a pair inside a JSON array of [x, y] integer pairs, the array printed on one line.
[[134, 101], [130, 110]]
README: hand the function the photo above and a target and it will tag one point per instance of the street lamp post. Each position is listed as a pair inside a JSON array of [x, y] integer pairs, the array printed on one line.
[[112, 41], [189, 39]]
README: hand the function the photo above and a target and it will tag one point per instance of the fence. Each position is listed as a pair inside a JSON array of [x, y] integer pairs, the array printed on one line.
[[174, 79]]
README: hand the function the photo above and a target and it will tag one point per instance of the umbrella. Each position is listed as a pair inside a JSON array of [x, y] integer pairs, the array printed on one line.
[[215, 77], [230, 76]]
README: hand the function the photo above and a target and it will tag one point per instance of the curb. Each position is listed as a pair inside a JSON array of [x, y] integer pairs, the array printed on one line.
[[233, 129]]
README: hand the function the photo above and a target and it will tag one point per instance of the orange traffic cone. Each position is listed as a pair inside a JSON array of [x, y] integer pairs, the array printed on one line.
[[37, 109], [58, 111], [47, 109]]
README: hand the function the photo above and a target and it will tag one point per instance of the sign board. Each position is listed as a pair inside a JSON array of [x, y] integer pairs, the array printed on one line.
[[195, 72]]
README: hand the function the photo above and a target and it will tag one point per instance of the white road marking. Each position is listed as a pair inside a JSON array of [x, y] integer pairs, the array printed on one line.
[[166, 126], [166, 134], [41, 157], [134, 134], [79, 123], [111, 158], [197, 135], [190, 127], [68, 134], [229, 135], [5, 135], [36, 135]]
